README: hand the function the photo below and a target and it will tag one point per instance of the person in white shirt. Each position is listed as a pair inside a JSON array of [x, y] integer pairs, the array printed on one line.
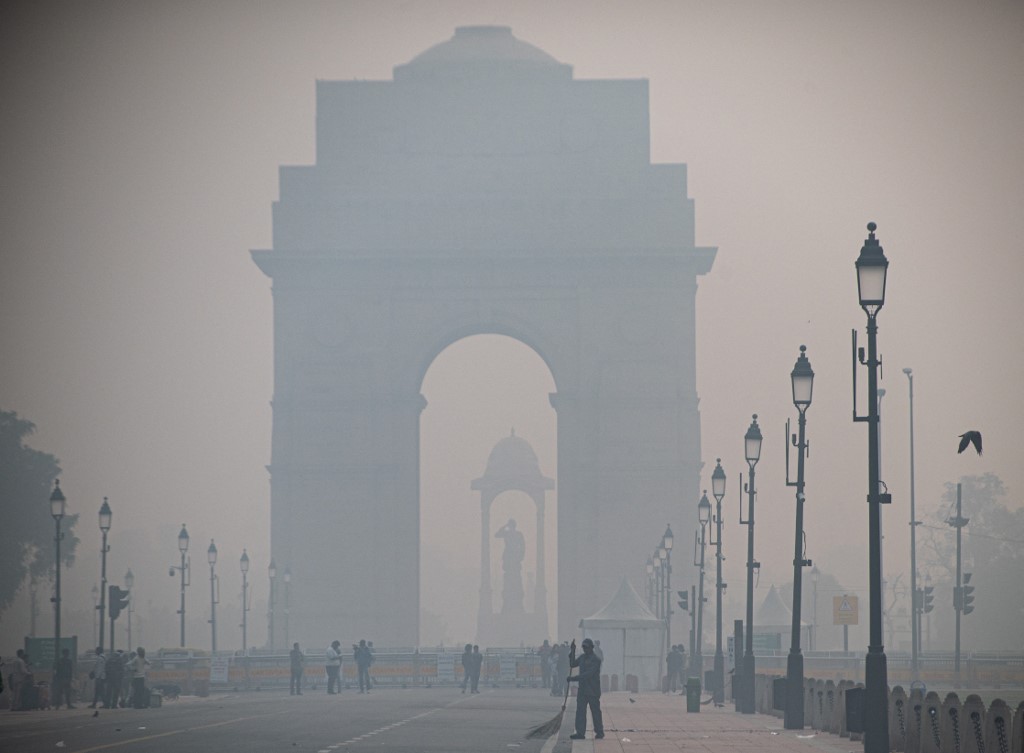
[[137, 666], [334, 668], [99, 676]]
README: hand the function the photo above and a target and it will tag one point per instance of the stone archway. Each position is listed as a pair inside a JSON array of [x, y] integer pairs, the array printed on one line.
[[482, 190]]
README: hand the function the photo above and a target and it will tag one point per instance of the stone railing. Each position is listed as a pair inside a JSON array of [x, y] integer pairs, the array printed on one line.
[[918, 723]]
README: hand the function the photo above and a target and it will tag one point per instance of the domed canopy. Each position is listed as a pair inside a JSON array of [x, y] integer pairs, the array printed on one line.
[[479, 47], [513, 461]]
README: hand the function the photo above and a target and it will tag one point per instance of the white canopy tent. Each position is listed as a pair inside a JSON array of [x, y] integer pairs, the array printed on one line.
[[631, 636]]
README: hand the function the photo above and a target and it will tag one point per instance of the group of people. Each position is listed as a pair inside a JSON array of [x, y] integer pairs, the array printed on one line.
[[555, 664], [472, 662], [119, 679], [675, 677], [362, 654]]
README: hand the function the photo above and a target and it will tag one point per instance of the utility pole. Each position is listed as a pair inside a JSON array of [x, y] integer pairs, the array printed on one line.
[[958, 590]]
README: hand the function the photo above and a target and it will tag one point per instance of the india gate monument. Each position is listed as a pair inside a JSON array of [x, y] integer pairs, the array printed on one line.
[[482, 190]]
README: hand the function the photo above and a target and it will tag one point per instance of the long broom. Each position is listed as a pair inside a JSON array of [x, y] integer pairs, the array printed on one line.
[[555, 723]]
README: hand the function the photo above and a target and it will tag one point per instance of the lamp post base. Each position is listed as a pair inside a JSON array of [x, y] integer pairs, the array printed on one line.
[[794, 715], [876, 704], [719, 689], [747, 705]]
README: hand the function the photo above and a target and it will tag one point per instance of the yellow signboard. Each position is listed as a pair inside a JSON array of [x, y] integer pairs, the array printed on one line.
[[844, 610]]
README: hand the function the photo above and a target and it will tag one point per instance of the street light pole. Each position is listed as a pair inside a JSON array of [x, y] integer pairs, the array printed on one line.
[[211, 557], [802, 378], [287, 603], [915, 613], [129, 583], [718, 491], [272, 572], [667, 541], [183, 548], [872, 267], [752, 452], [650, 586], [704, 518], [106, 517], [58, 506], [244, 565]]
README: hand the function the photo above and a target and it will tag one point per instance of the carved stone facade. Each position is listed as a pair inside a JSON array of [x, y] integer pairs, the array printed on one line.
[[483, 190]]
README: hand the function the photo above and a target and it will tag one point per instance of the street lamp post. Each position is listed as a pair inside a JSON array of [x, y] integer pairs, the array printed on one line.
[[650, 586], [129, 583], [718, 491], [872, 267], [58, 506], [96, 609], [272, 573], [704, 518], [915, 612], [211, 557], [802, 378], [752, 453], [244, 565], [183, 548], [106, 517], [667, 541], [287, 603]]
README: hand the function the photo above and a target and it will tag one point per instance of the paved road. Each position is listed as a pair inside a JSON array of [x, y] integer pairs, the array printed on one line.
[[391, 720]]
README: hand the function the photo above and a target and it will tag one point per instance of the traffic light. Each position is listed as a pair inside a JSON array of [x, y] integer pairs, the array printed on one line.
[[118, 600], [966, 595], [926, 599], [684, 601]]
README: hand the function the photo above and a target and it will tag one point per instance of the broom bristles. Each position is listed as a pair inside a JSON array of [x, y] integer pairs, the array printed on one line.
[[548, 728]]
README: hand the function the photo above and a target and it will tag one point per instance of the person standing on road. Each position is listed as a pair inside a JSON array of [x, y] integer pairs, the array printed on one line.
[[475, 666], [545, 671], [62, 676], [467, 666], [99, 676], [137, 667], [334, 668], [364, 658], [298, 663], [589, 694], [674, 661]]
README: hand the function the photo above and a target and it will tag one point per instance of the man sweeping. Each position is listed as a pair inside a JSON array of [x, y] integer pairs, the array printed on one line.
[[589, 694]]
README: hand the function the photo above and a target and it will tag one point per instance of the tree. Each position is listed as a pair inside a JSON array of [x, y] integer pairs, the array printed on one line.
[[993, 551], [26, 535]]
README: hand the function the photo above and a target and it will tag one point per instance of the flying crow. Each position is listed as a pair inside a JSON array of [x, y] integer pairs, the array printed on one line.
[[970, 437]]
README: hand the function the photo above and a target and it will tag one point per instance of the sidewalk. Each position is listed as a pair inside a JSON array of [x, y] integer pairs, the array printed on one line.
[[658, 723]]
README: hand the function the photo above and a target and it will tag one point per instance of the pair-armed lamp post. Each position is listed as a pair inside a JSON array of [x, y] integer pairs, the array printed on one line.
[[106, 518], [802, 379], [752, 453], [244, 565], [872, 267], [718, 492], [211, 557], [704, 518], [185, 580]]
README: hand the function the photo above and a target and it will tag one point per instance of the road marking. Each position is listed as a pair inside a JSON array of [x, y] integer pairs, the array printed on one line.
[[129, 741], [389, 727]]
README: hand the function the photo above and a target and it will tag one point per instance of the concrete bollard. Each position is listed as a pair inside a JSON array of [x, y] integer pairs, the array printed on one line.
[[1017, 733], [931, 734], [973, 719], [915, 720], [898, 719], [952, 724]]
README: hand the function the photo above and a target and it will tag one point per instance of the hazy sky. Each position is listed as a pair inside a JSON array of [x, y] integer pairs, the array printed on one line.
[[138, 164]]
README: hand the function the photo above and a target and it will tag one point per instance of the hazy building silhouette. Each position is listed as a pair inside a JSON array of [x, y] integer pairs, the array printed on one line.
[[482, 190]]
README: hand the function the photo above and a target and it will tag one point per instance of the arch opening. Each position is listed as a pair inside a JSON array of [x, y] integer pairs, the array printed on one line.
[[478, 390]]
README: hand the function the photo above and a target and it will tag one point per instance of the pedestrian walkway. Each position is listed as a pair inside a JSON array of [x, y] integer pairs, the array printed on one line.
[[659, 723]]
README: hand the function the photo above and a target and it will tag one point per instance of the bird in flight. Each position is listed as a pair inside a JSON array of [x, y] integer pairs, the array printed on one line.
[[968, 438]]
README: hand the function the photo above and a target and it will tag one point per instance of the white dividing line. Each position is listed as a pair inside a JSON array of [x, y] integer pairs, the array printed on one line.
[[393, 725]]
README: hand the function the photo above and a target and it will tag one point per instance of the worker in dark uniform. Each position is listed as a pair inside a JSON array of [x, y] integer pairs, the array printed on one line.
[[589, 694]]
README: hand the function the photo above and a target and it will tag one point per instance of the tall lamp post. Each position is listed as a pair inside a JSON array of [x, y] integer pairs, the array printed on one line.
[[58, 506], [287, 603], [649, 567], [183, 548], [667, 540], [872, 267], [96, 607], [106, 517], [272, 573], [752, 453], [802, 378], [704, 518], [718, 491], [243, 564], [211, 557], [915, 612], [129, 583]]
